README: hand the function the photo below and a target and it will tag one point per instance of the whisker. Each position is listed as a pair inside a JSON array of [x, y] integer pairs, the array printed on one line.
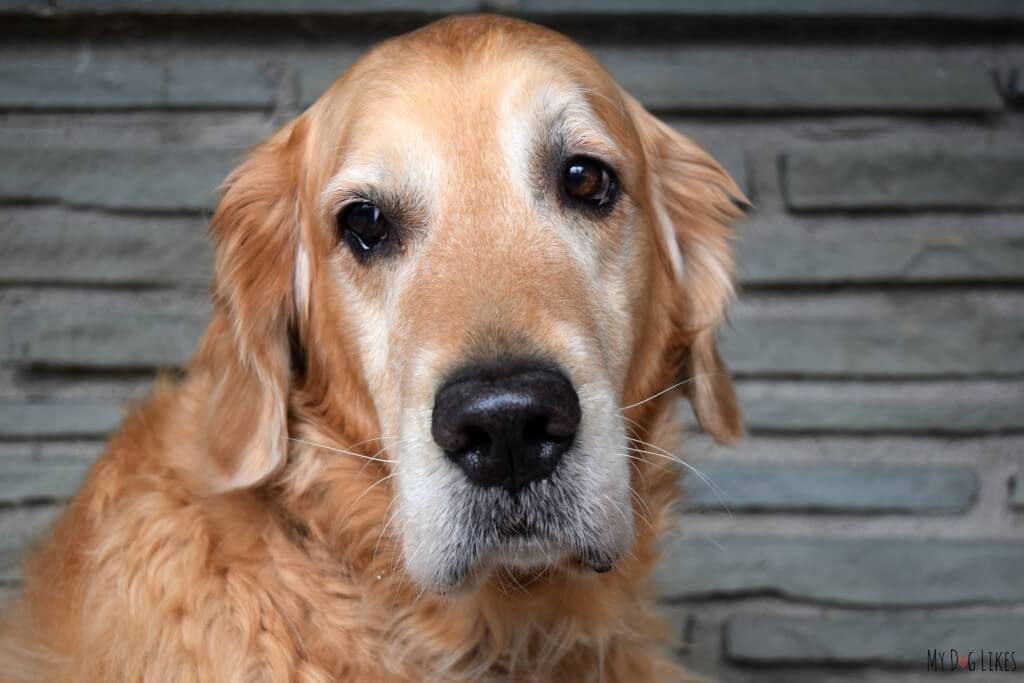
[[372, 438], [635, 424], [342, 450], [665, 453], [389, 517], [674, 386], [715, 488], [650, 445], [632, 552], [639, 473], [367, 489], [518, 585], [379, 451], [675, 459], [397, 559], [639, 499], [635, 459], [617, 509]]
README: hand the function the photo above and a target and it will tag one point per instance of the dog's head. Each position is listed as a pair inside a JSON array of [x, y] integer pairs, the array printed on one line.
[[477, 248]]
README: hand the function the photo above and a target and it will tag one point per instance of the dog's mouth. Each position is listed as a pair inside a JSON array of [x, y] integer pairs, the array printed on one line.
[[571, 521], [522, 543], [548, 526], [533, 553], [526, 473]]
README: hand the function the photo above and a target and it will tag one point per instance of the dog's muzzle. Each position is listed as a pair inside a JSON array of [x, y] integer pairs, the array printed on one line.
[[506, 426]]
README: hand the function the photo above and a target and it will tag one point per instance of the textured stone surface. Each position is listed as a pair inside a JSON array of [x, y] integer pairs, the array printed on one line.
[[867, 451], [1013, 86], [47, 245], [829, 487], [55, 246], [776, 639], [769, 407], [982, 9], [63, 338], [669, 80], [32, 84], [315, 75], [277, 7], [58, 417], [19, 528], [874, 347], [123, 84], [666, 81], [705, 640], [757, 343], [707, 628], [945, 9], [856, 258], [31, 480], [1016, 492], [882, 572], [169, 179], [734, 161], [11, 549], [881, 407], [901, 179], [29, 6], [209, 85], [103, 301], [815, 347]]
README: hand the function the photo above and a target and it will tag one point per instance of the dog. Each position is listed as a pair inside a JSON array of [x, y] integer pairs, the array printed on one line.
[[427, 434]]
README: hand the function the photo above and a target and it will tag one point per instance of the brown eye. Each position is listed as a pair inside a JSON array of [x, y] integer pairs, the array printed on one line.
[[363, 226], [589, 182]]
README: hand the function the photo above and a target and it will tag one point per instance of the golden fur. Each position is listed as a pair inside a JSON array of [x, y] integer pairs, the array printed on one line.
[[206, 546]]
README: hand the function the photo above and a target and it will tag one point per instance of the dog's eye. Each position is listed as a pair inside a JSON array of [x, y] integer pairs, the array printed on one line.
[[589, 182], [363, 226]]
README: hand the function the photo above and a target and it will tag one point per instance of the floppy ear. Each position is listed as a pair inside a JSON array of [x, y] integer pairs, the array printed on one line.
[[694, 202], [246, 351]]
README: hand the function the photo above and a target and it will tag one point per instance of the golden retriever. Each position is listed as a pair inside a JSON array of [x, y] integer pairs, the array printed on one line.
[[422, 437]]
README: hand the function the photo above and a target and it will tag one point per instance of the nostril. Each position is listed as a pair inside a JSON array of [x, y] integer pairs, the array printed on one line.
[[451, 440], [564, 420], [536, 431], [547, 429], [506, 428], [476, 439]]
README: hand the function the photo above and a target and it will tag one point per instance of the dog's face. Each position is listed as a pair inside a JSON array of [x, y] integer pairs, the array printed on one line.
[[490, 259], [482, 243]]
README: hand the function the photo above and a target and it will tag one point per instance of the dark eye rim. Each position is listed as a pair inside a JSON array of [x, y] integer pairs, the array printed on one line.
[[356, 242], [614, 186]]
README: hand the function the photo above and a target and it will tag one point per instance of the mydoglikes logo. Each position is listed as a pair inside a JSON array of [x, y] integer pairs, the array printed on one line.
[[972, 660]]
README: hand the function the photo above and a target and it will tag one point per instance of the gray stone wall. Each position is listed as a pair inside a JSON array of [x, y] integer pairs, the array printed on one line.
[[877, 508]]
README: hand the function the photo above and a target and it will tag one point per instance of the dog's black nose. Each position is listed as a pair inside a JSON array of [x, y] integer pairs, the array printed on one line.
[[506, 428]]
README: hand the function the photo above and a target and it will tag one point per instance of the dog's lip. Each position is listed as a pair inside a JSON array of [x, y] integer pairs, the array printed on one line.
[[522, 544], [518, 530], [526, 551], [534, 551], [526, 558]]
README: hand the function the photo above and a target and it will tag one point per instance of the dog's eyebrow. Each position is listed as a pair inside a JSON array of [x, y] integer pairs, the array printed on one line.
[[561, 112], [574, 129], [352, 179], [406, 209], [585, 138], [579, 130], [401, 201]]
